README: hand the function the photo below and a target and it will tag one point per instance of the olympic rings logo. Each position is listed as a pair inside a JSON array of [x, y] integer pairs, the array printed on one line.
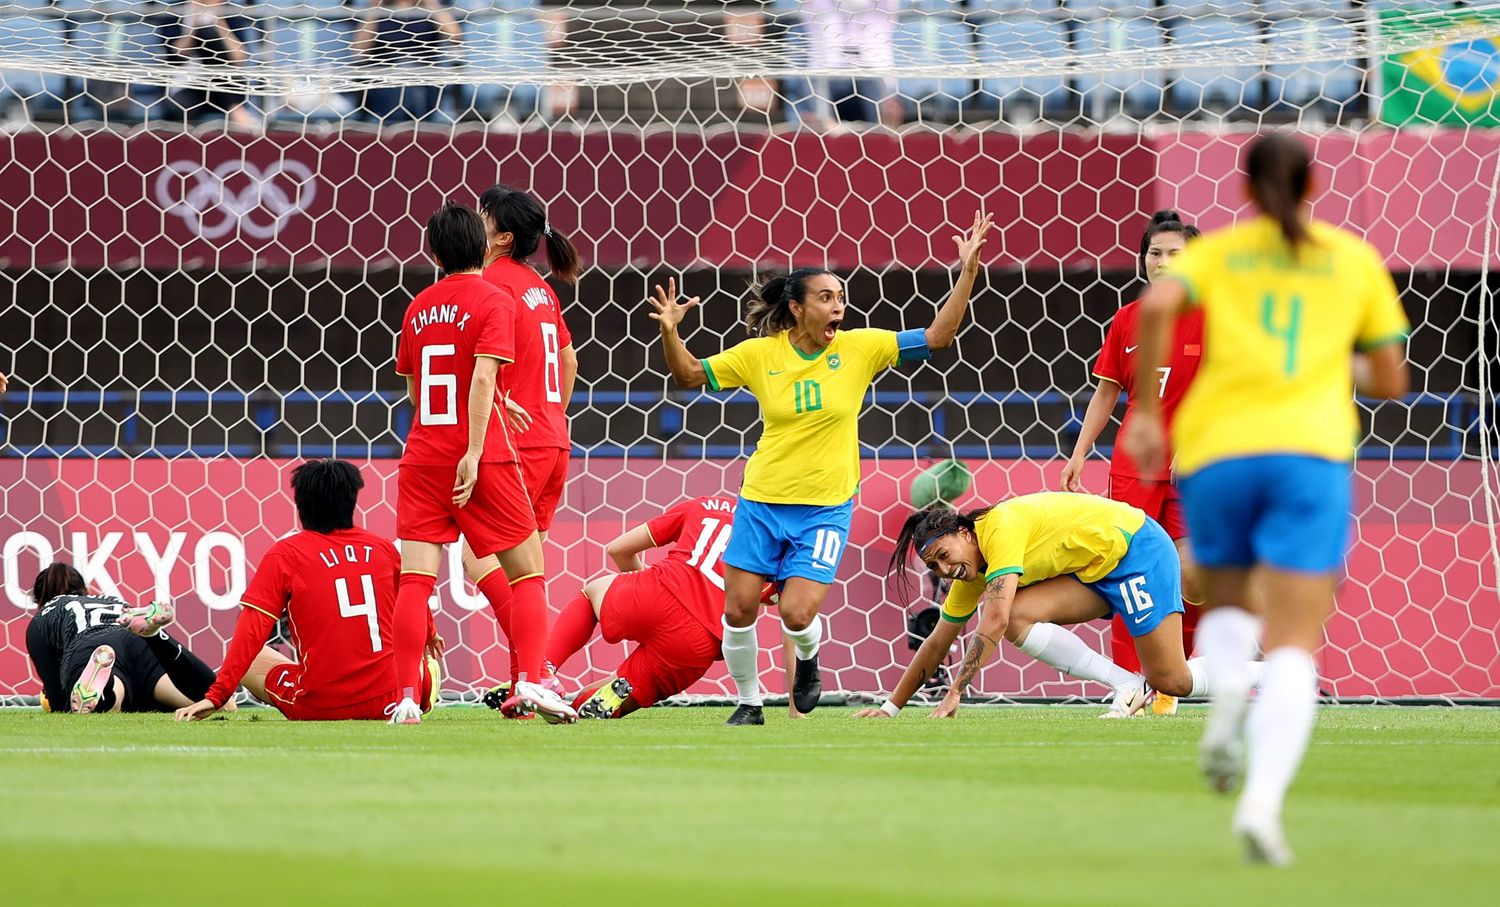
[[207, 201]]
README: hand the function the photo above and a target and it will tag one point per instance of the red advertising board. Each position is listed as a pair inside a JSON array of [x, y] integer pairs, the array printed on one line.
[[1418, 615]]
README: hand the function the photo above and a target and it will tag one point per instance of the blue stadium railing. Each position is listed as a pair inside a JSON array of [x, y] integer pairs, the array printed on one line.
[[665, 415]]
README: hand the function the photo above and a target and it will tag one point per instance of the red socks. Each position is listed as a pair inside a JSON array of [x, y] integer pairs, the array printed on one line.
[[496, 589], [528, 625], [410, 629], [572, 630]]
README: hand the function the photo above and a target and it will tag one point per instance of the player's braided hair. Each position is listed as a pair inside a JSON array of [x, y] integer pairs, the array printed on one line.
[[1165, 221], [921, 529], [57, 579], [770, 309]]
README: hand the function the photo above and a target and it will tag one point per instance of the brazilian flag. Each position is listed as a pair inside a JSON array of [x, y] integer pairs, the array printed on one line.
[[1456, 83]]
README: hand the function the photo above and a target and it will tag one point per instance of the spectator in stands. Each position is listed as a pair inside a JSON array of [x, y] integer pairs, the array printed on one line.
[[843, 35], [207, 38], [406, 33]]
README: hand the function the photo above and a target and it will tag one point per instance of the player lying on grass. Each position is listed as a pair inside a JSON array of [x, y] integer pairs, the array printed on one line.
[[795, 506], [336, 585], [1153, 491], [1038, 561], [459, 471], [539, 383], [674, 609], [107, 657], [1265, 445]]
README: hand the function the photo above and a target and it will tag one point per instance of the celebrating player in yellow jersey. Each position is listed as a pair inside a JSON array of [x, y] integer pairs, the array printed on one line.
[[1264, 444], [797, 499], [1040, 560]]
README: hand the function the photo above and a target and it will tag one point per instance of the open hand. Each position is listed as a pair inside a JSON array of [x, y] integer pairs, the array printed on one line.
[[669, 312], [197, 711], [946, 709], [970, 244], [517, 416], [873, 712]]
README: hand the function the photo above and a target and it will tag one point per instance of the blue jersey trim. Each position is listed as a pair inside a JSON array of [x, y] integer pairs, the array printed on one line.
[[912, 345]]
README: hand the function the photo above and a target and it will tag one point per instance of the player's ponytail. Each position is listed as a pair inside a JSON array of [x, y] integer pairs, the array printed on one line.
[[1277, 168], [770, 309], [520, 214], [1165, 221], [920, 530], [57, 579]]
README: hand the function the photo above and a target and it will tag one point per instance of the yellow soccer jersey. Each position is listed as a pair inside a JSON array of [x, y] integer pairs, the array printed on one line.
[[1039, 536], [1278, 336], [808, 451]]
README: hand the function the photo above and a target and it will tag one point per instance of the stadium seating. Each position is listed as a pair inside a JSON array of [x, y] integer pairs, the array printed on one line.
[[511, 40], [1219, 88], [939, 40], [31, 92], [1023, 38], [1331, 82], [1138, 93]]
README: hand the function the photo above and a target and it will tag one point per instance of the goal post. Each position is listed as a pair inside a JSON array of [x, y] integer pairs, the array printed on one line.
[[194, 303]]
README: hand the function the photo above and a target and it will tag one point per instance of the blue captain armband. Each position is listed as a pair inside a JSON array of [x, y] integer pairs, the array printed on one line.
[[911, 346]]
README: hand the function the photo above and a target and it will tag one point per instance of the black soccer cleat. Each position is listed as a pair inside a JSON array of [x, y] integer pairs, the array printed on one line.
[[747, 715], [495, 696], [607, 702], [807, 689]]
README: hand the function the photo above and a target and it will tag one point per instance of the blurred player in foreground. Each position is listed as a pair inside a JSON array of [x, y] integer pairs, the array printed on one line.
[[1152, 492], [1038, 561], [674, 609], [459, 471], [336, 585], [795, 506], [1265, 444]]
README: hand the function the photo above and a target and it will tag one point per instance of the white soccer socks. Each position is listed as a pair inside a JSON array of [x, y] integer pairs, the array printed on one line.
[[1279, 727], [807, 639], [1227, 637], [1051, 644], [741, 653]]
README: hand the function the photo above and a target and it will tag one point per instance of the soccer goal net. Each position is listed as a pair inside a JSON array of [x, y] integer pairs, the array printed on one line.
[[210, 225]]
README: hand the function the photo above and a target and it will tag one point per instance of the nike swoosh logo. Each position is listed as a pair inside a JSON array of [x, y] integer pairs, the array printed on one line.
[[1142, 618], [1131, 349], [776, 372]]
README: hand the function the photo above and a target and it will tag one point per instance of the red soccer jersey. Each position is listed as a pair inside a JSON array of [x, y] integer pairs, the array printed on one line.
[[1117, 363], [338, 592], [698, 530], [534, 380], [449, 324]]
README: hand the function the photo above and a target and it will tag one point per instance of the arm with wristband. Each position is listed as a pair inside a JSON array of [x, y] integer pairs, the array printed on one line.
[[926, 660]]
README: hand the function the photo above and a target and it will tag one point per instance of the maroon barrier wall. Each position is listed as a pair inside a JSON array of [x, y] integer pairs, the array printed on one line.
[[1417, 617], [726, 199]]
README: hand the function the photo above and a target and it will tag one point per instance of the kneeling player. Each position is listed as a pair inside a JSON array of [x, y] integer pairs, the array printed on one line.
[[1041, 560], [87, 661], [337, 585], [674, 609]]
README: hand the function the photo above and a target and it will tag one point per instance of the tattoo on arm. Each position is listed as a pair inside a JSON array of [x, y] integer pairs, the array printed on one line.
[[974, 659]]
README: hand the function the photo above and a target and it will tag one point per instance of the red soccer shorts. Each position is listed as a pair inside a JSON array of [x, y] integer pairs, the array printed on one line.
[[1160, 500], [497, 518], [675, 650], [1162, 503], [284, 686], [546, 472]]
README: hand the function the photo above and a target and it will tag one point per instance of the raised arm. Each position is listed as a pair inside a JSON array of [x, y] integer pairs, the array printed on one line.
[[950, 317], [1101, 407], [994, 617], [926, 660], [686, 370]]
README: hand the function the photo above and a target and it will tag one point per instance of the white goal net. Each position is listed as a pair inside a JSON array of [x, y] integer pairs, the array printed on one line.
[[210, 224]]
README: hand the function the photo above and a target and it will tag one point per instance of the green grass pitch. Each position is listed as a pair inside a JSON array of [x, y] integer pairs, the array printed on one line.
[[1042, 806]]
